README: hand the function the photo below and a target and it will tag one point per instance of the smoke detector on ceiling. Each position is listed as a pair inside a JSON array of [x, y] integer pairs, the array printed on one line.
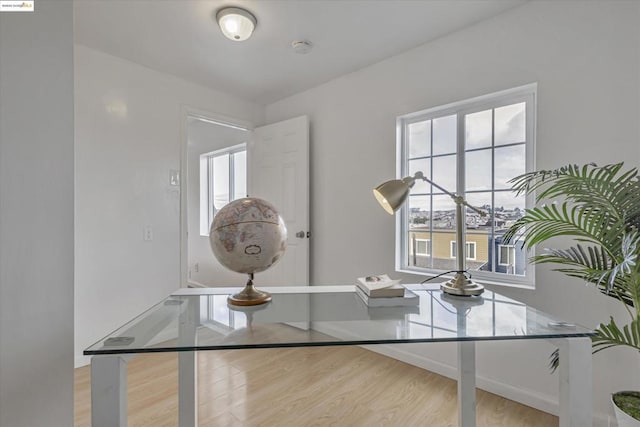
[[301, 46]]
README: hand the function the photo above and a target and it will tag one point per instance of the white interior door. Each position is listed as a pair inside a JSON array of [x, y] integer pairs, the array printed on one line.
[[278, 160]]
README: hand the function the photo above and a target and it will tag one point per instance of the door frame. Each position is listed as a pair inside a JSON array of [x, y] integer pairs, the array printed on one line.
[[187, 112]]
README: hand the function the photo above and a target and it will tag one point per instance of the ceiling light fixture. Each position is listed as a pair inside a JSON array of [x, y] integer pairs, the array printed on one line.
[[236, 24]]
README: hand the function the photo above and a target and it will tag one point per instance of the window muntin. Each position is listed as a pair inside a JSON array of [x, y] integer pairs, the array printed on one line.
[[506, 255], [223, 178], [423, 247], [471, 250], [473, 148]]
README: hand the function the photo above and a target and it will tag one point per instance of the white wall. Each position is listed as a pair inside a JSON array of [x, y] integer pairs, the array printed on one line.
[[128, 133], [36, 216], [204, 138], [585, 57]]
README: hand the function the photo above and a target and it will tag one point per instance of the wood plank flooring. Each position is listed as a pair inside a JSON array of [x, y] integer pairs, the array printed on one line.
[[290, 387]]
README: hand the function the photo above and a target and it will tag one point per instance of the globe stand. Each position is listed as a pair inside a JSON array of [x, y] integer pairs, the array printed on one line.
[[249, 295]]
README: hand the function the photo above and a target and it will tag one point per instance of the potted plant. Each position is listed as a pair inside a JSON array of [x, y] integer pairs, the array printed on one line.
[[599, 208]]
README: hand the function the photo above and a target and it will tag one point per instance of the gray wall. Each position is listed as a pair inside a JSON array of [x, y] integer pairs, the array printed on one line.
[[36, 216]]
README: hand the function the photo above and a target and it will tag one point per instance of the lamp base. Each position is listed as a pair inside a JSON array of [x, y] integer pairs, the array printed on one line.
[[249, 295], [461, 285]]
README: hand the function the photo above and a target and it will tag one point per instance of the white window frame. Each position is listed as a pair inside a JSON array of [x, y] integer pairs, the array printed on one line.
[[510, 248], [526, 93], [427, 245], [468, 245], [207, 208]]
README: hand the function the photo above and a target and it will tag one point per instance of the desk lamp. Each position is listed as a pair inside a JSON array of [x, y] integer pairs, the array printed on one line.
[[392, 194]]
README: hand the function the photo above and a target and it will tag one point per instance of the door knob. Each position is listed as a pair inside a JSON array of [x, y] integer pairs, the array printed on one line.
[[300, 234]]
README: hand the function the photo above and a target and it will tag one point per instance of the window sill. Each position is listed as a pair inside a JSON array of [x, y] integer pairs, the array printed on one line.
[[510, 283]]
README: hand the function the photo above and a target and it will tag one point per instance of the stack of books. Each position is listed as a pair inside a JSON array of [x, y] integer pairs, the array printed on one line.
[[382, 291]]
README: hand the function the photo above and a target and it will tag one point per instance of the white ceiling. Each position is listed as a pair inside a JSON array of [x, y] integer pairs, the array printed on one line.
[[180, 37]]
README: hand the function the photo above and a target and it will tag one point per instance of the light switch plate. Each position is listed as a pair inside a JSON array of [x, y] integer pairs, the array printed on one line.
[[174, 177], [147, 233]]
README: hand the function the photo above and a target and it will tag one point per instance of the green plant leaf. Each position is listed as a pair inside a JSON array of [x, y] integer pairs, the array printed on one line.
[[610, 335], [599, 209]]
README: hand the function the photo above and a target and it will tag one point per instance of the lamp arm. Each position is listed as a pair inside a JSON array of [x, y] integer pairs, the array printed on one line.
[[473, 208], [420, 175], [456, 198]]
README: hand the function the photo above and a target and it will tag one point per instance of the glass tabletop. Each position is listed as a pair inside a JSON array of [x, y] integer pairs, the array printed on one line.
[[310, 317]]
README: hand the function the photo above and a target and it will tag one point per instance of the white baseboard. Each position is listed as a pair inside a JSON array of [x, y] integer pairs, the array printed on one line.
[[527, 397], [541, 401], [81, 361], [195, 284]]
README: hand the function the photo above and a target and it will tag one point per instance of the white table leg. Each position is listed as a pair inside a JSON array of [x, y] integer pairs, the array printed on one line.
[[109, 391], [188, 365], [575, 372], [466, 383], [187, 389]]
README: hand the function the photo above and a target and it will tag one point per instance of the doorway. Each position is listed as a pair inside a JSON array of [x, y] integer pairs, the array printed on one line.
[[216, 173], [224, 160]]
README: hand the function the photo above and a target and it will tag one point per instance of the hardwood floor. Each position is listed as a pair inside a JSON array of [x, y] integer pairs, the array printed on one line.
[[321, 386]]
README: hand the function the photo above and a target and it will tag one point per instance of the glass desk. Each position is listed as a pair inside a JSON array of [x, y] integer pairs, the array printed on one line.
[[193, 320]]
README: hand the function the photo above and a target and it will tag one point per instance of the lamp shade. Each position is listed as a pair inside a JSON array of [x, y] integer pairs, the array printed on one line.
[[392, 194], [236, 24]]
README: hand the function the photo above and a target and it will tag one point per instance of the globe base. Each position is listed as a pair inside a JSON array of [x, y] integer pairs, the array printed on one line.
[[249, 295]]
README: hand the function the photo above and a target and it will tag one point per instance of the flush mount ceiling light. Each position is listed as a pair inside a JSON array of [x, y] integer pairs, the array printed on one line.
[[236, 24]]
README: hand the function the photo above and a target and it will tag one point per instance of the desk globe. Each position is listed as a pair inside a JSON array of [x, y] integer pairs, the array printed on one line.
[[248, 236]]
